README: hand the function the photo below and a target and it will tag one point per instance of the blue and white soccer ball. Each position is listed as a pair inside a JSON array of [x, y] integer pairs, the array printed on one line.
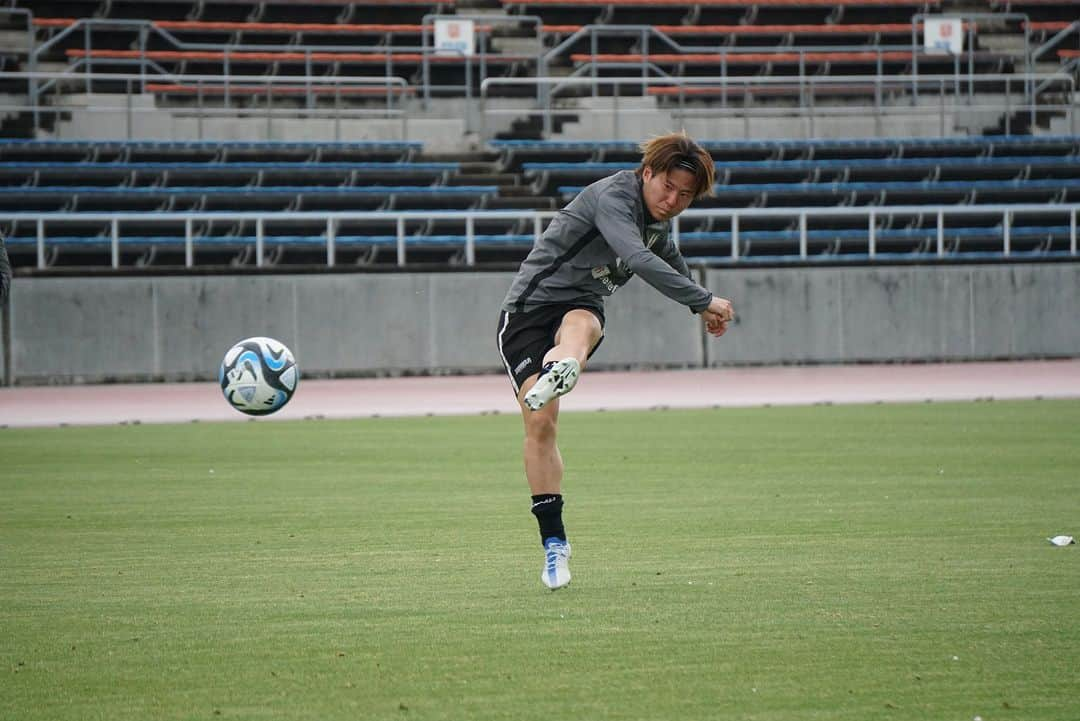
[[258, 376]]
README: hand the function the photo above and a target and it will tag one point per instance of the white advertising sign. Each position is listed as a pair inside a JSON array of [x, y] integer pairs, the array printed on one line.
[[943, 35], [454, 37]]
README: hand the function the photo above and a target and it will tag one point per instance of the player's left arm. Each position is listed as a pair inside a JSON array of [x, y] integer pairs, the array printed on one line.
[[719, 312], [670, 253], [616, 222]]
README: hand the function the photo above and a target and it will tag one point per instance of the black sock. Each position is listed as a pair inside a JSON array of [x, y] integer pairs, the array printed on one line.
[[547, 507]]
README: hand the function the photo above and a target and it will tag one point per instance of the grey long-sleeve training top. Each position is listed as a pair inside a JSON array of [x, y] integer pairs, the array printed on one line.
[[596, 244]]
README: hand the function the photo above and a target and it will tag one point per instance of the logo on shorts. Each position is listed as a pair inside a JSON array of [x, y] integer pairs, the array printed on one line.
[[523, 365]]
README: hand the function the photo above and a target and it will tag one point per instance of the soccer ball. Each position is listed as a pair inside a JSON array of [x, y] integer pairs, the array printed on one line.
[[258, 376]]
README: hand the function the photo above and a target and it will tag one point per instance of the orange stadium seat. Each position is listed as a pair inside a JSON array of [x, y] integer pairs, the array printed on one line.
[[776, 90], [278, 90], [747, 58], [226, 26], [1049, 25], [283, 56], [800, 29], [730, 3]]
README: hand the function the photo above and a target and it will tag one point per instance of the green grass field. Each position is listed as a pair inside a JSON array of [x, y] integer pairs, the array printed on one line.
[[831, 562]]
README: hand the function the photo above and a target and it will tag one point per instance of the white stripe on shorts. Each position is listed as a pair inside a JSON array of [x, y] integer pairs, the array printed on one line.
[[506, 363]]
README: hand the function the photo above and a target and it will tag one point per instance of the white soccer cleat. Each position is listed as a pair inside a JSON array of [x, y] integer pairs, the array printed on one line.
[[556, 573], [557, 380]]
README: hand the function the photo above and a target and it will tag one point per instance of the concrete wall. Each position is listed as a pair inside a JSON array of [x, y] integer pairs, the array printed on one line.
[[638, 118], [4, 345], [94, 329], [827, 315], [455, 124], [109, 328], [101, 116]]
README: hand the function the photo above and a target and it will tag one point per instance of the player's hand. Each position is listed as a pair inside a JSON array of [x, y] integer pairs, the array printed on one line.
[[717, 316], [713, 325]]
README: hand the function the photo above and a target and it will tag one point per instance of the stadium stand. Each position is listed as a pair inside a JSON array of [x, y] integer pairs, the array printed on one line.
[[392, 45], [322, 11], [694, 38], [245, 42], [830, 173], [121, 177], [255, 32], [223, 177]]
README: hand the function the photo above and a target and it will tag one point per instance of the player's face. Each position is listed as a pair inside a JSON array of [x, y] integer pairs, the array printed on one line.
[[667, 194]]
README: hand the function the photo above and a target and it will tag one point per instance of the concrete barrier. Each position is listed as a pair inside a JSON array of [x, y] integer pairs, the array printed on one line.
[[84, 329], [178, 327], [646, 329], [916, 313], [5, 346]]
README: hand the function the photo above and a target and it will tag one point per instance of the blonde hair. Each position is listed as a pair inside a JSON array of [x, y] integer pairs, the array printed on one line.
[[677, 150]]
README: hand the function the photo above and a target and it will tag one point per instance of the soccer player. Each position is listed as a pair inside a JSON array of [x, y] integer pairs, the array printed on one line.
[[552, 319]]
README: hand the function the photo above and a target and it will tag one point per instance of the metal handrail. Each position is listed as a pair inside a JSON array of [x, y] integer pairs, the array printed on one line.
[[331, 220], [647, 69], [975, 17], [1007, 211], [427, 42], [1056, 40], [88, 24], [544, 91], [72, 73], [1060, 37], [646, 32], [146, 27]]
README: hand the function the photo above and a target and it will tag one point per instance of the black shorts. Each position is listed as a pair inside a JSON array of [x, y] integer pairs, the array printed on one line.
[[524, 338]]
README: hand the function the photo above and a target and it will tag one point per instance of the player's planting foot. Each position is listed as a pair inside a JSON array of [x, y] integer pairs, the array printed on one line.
[[556, 573], [556, 379]]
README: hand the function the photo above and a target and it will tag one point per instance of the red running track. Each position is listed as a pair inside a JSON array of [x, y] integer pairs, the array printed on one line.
[[471, 395]]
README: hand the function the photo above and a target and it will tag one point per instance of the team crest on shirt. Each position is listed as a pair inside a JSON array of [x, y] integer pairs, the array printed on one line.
[[613, 275]]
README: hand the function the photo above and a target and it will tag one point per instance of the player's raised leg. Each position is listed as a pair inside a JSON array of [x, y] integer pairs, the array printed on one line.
[[578, 334]]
